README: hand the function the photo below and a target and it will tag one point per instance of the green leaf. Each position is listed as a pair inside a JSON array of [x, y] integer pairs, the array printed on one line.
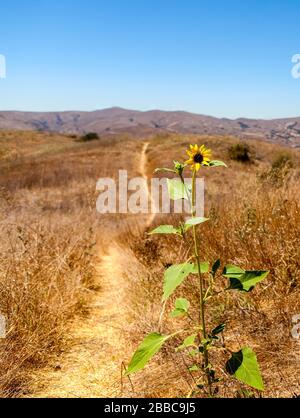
[[146, 350], [165, 229], [177, 190], [243, 280], [164, 170], [188, 342], [195, 221], [220, 328], [183, 304], [181, 308], [204, 267], [232, 271], [215, 267], [244, 366], [217, 163], [247, 281], [174, 276]]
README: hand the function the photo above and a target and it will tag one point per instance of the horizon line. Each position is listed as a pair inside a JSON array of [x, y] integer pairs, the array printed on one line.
[[148, 111]]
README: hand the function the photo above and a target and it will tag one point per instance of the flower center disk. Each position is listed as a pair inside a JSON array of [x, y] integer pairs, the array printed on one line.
[[198, 158]]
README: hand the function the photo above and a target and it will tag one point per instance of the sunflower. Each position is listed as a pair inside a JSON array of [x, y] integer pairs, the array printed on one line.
[[198, 156]]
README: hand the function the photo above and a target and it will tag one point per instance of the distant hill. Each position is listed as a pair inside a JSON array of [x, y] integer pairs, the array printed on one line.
[[116, 120]]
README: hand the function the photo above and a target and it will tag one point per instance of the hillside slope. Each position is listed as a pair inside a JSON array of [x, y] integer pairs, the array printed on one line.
[[116, 120], [59, 289]]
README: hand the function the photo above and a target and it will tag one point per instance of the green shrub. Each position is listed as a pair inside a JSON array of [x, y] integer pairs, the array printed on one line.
[[240, 152], [91, 136]]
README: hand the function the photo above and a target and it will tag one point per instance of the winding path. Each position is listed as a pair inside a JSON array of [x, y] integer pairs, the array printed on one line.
[[92, 367]]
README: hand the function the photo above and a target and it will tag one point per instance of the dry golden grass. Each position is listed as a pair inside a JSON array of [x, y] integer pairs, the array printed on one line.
[[49, 227], [44, 273], [18, 146], [254, 223]]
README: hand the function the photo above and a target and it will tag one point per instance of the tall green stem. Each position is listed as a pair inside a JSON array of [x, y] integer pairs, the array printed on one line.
[[201, 285]]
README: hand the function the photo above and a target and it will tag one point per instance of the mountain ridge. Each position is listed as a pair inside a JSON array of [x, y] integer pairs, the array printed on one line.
[[119, 120]]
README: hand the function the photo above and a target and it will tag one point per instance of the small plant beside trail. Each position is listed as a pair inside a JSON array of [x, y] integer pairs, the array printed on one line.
[[197, 339]]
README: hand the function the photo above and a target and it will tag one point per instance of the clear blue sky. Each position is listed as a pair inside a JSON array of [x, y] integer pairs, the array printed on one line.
[[224, 57]]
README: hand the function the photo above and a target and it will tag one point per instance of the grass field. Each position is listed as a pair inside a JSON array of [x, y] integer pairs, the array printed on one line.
[[52, 241], [254, 222]]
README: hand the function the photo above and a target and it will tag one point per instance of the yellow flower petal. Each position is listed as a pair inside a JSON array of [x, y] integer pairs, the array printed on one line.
[[190, 161], [193, 153]]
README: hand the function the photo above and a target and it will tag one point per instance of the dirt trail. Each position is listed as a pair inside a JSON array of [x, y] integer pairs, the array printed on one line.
[[92, 367]]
